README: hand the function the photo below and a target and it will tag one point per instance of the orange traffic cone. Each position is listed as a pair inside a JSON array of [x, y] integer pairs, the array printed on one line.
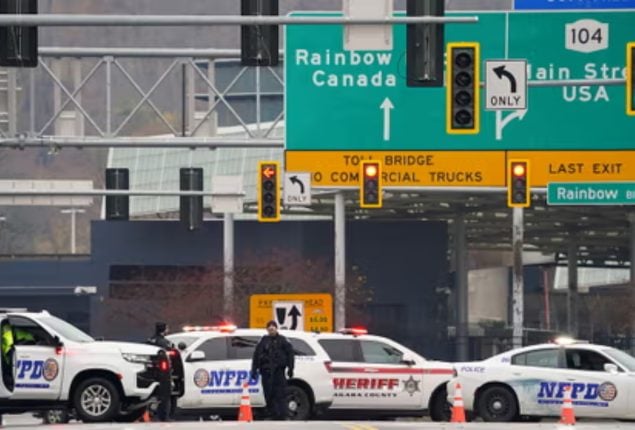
[[458, 410], [145, 418], [567, 416], [244, 413]]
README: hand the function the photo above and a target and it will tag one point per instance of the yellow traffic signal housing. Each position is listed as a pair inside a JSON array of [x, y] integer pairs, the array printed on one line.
[[630, 79], [269, 191], [463, 88], [518, 188], [370, 189]]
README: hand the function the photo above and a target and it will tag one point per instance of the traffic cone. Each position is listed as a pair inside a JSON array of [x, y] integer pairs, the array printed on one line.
[[145, 418], [458, 410], [567, 416], [244, 413]]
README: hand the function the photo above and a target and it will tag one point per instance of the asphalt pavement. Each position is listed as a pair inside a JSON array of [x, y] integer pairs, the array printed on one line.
[[23, 422]]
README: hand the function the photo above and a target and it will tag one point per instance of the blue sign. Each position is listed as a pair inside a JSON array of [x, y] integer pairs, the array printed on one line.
[[573, 4], [582, 394], [224, 381]]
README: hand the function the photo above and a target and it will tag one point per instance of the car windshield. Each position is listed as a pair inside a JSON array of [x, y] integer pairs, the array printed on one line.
[[66, 330], [623, 358]]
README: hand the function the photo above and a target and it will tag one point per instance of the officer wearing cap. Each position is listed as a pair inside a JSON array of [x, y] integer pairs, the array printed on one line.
[[272, 356]]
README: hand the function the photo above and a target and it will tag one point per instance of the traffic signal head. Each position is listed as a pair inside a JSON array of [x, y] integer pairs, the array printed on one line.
[[518, 190], [630, 79], [268, 191], [463, 88], [370, 188]]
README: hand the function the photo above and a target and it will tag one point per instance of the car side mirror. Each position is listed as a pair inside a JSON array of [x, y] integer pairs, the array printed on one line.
[[58, 342], [182, 346], [611, 368], [408, 359], [196, 356]]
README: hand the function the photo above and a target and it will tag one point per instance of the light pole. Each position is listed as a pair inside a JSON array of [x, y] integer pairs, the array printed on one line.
[[73, 212]]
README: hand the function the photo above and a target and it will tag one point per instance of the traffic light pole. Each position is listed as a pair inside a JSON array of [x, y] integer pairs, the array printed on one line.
[[340, 261], [572, 291], [461, 273], [518, 310], [228, 265]]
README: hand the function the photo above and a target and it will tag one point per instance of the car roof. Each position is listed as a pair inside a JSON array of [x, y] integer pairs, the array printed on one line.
[[287, 333], [22, 313]]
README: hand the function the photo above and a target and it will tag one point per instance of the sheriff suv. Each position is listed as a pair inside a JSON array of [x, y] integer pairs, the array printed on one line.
[[217, 361], [52, 365]]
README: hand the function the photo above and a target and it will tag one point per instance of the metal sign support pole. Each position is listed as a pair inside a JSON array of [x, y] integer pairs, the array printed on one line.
[[572, 292], [340, 261], [518, 311], [461, 271], [228, 264]]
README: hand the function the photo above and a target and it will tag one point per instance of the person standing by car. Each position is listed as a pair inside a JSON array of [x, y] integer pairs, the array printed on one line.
[[272, 356], [164, 410]]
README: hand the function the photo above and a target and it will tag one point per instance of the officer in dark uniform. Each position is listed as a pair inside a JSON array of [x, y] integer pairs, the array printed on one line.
[[272, 356], [165, 381]]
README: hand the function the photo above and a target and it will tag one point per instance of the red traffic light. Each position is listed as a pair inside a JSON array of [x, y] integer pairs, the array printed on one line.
[[268, 172], [519, 169], [371, 170]]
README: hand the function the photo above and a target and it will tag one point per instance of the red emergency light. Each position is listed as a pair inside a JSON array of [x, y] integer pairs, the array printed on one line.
[[355, 331]]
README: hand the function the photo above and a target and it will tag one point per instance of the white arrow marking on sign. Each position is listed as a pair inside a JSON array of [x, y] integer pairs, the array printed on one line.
[[387, 106], [502, 123]]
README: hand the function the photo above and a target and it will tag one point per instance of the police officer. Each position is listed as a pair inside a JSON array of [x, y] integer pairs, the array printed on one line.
[[164, 409], [7, 359], [273, 354]]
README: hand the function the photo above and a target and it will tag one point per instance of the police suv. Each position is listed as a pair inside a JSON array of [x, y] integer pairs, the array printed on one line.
[[54, 365], [347, 373], [530, 382]]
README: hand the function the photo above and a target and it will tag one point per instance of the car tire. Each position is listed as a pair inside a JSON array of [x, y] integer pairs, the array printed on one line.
[[440, 408], [96, 400], [497, 404], [55, 416], [299, 403]]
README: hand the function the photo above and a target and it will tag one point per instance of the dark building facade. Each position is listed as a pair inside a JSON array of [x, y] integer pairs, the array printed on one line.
[[404, 264]]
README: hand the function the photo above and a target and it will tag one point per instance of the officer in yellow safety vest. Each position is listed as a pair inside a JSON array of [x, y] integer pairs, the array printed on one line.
[[7, 345]]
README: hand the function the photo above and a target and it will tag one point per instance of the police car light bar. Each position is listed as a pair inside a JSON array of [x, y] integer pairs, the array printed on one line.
[[565, 340], [224, 328], [354, 331]]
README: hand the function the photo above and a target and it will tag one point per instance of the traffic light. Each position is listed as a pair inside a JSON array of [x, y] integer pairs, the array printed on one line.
[[424, 44], [518, 189], [370, 189], [463, 88], [630, 79], [117, 207], [191, 207], [18, 45], [268, 191], [259, 43]]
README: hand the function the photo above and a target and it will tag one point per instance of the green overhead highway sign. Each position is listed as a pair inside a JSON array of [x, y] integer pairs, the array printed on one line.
[[591, 193], [343, 100]]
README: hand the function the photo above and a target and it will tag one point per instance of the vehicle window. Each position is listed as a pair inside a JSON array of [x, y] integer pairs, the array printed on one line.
[[623, 358], [66, 330], [341, 349], [301, 348], [380, 353], [215, 349], [539, 358], [28, 332], [242, 347], [582, 359]]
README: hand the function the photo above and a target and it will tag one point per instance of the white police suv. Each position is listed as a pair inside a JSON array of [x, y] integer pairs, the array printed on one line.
[[217, 361], [54, 365], [379, 377], [349, 373], [531, 382]]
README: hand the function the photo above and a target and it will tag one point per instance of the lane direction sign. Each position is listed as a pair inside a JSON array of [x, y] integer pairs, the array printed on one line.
[[297, 189], [506, 85]]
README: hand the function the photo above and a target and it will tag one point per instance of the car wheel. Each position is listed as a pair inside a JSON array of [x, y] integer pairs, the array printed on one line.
[[440, 408], [298, 403], [96, 400], [55, 416], [497, 404]]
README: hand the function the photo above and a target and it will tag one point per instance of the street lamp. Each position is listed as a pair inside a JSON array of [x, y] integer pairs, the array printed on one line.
[[73, 212]]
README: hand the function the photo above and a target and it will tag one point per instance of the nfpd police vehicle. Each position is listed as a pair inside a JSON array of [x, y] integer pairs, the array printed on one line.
[[49, 364], [532, 381]]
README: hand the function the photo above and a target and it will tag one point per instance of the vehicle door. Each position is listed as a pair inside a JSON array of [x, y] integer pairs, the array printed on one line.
[[39, 361], [535, 376], [205, 366], [7, 367], [594, 391], [241, 352]]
